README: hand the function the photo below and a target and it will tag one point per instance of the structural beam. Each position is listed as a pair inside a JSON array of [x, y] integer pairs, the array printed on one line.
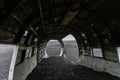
[[41, 15], [34, 32]]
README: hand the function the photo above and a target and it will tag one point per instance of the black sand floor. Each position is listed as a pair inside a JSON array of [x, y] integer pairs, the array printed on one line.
[[58, 68]]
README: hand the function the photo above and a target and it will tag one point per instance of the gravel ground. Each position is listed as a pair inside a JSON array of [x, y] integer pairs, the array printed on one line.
[[59, 68]]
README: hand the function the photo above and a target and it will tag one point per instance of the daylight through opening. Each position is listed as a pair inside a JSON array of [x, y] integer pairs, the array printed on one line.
[[53, 48], [71, 48]]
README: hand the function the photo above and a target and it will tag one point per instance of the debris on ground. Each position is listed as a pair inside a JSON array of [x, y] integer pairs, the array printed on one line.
[[59, 68]]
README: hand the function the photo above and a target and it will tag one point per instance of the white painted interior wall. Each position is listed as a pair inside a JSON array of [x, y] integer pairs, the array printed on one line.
[[24, 69], [118, 50], [8, 54], [101, 65]]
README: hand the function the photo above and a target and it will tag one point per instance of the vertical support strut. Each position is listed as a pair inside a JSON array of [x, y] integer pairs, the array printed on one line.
[[13, 61], [63, 52]]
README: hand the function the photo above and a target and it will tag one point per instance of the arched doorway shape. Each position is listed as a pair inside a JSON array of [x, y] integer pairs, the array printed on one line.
[[53, 48], [71, 48]]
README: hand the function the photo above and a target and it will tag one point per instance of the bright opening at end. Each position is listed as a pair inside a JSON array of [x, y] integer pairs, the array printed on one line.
[[69, 38], [53, 48], [67, 47], [71, 47]]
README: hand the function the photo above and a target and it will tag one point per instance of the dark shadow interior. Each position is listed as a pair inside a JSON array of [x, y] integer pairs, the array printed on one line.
[[30, 24]]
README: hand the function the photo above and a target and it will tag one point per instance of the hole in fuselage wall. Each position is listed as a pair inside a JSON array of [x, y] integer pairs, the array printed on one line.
[[53, 48], [71, 48], [67, 47]]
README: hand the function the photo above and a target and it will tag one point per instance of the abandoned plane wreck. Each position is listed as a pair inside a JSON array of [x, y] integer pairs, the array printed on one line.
[[59, 39]]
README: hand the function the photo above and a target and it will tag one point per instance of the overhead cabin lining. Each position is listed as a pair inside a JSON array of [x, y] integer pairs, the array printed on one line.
[[54, 19]]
